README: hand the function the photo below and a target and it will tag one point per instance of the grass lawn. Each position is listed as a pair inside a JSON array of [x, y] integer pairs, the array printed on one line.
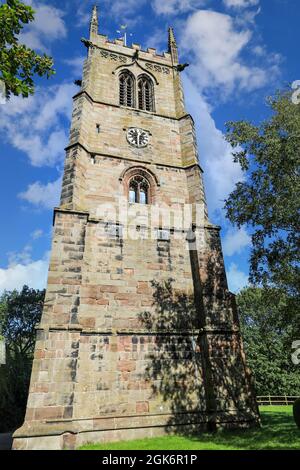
[[278, 431]]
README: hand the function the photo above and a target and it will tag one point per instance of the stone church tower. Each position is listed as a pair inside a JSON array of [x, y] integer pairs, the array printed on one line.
[[139, 333]]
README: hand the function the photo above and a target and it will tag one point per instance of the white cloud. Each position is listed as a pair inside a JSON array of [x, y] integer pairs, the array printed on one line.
[[216, 44], [220, 172], [121, 11], [32, 273], [237, 279], [240, 3], [235, 241], [48, 26], [24, 257], [40, 152], [76, 64], [170, 7], [34, 125], [60, 102], [259, 51], [45, 196], [36, 234], [83, 11]]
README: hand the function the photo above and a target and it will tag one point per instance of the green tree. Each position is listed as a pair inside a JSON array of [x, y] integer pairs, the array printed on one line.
[[269, 198], [19, 314], [18, 63], [268, 337]]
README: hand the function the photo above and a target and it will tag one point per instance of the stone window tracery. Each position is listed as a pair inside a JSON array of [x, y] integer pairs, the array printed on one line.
[[132, 96], [139, 190]]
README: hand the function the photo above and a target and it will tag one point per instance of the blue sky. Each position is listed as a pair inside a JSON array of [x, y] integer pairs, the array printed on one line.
[[239, 51]]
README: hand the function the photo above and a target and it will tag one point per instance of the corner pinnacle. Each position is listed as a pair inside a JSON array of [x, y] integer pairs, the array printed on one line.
[[94, 24]]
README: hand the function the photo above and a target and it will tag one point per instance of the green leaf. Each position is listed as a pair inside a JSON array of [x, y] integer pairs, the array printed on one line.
[[19, 64]]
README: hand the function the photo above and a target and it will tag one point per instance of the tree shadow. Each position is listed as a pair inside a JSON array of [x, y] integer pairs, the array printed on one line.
[[175, 367], [197, 368], [278, 431]]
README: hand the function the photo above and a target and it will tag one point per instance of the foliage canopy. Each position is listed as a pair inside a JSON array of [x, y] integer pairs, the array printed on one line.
[[18, 63], [268, 200]]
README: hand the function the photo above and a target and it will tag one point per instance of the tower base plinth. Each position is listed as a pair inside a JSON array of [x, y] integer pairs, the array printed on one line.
[[60, 435]]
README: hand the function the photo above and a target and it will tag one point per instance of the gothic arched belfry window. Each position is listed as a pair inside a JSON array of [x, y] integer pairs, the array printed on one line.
[[145, 94], [126, 83], [139, 190]]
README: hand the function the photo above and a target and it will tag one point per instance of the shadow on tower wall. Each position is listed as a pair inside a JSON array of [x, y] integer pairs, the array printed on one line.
[[196, 369]]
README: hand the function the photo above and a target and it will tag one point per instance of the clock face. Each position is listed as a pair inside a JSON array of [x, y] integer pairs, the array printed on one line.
[[137, 137]]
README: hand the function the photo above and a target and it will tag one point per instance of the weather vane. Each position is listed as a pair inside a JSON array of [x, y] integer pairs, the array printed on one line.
[[123, 29]]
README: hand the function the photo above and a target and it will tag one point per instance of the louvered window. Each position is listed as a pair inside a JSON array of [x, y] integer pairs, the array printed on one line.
[[126, 90], [145, 94]]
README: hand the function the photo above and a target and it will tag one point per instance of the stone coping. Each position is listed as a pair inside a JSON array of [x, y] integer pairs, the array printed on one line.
[[66, 210], [135, 110], [145, 162]]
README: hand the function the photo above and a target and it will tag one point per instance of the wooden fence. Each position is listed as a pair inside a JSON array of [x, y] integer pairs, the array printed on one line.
[[275, 400]]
